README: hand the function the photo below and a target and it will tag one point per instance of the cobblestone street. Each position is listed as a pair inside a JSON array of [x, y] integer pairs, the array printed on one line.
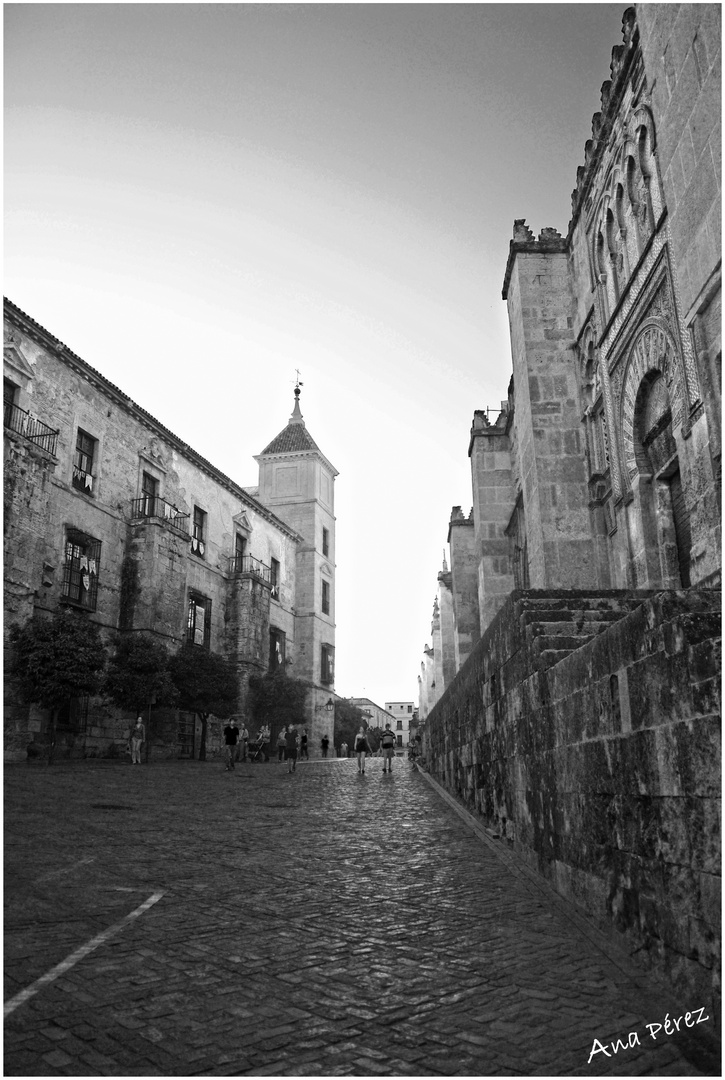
[[319, 923]]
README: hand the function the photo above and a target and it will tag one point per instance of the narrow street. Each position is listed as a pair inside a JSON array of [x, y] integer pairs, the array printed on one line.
[[320, 923]]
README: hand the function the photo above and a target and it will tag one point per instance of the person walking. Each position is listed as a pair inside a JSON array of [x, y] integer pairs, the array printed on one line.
[[387, 746], [244, 741], [231, 738], [136, 738], [361, 748], [324, 744], [292, 742], [281, 743], [304, 752], [264, 737]]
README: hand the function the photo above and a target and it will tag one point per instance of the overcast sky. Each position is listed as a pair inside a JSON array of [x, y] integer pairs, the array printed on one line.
[[201, 199]]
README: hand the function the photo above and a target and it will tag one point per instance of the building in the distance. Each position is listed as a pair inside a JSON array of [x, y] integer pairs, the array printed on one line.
[[403, 713], [375, 715], [110, 513]]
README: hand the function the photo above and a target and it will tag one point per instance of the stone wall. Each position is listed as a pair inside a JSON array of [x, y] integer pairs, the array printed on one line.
[[585, 730]]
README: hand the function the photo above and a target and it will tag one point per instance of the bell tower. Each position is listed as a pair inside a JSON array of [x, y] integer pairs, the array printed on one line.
[[297, 482]]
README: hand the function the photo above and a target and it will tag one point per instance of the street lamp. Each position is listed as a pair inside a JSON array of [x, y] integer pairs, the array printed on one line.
[[329, 706]]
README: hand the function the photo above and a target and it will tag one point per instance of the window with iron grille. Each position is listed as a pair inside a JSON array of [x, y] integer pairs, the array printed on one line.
[[399, 725], [73, 716], [274, 577], [83, 462], [277, 648], [325, 598], [80, 569], [327, 665], [198, 621], [325, 542], [198, 538]]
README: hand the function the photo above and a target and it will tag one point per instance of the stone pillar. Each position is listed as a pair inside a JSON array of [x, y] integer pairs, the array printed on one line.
[[551, 453], [464, 584], [493, 504], [448, 647]]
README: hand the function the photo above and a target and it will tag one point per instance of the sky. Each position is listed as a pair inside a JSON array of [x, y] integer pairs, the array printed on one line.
[[202, 199]]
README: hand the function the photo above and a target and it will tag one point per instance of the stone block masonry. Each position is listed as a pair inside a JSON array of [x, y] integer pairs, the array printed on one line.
[[585, 730]]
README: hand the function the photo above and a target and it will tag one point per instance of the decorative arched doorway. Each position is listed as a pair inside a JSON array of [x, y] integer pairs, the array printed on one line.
[[659, 518]]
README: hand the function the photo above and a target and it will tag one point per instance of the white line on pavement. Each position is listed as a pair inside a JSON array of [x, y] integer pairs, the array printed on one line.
[[65, 869], [84, 950]]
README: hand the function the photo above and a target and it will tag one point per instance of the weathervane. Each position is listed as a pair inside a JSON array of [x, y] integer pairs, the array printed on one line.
[[298, 383]]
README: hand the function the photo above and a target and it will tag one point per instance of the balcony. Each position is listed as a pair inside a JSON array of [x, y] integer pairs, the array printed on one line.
[[153, 506], [22, 423], [247, 564]]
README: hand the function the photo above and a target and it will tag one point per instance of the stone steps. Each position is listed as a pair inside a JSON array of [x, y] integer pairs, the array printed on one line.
[[556, 625]]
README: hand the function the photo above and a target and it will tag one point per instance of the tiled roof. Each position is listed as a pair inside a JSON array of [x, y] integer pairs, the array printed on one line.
[[293, 438]]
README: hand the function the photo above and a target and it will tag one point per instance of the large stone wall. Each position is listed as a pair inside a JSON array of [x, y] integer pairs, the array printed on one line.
[[600, 764]]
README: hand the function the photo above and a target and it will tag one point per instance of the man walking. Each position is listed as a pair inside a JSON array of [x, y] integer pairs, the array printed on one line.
[[387, 745], [231, 738]]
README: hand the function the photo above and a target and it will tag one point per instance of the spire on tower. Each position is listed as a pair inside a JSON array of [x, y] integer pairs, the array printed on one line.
[[296, 417]]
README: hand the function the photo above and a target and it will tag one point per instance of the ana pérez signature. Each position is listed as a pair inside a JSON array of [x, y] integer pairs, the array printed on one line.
[[669, 1025]]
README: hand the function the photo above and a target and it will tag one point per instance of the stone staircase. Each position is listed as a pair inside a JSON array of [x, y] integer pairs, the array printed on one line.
[[556, 623]]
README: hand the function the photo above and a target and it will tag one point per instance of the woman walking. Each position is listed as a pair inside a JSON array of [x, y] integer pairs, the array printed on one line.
[[361, 748], [136, 738]]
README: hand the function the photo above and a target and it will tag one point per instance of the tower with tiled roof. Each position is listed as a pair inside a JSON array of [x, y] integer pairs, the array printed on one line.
[[297, 482]]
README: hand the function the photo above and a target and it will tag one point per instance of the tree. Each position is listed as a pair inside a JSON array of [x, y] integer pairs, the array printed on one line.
[[277, 699], [138, 676], [207, 684], [348, 718], [56, 659]]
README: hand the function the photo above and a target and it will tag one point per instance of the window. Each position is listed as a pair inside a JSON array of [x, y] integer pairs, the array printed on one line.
[[240, 547], [198, 621], [274, 578], [325, 542], [399, 740], [198, 532], [80, 569], [73, 715], [398, 725], [10, 398], [327, 665], [410, 708], [277, 648], [83, 462], [325, 598], [149, 495]]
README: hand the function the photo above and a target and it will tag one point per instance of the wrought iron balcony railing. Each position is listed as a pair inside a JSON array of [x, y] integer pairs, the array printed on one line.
[[247, 564], [21, 422], [153, 506]]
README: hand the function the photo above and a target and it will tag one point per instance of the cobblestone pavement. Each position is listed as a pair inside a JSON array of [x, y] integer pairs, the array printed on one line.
[[319, 923]]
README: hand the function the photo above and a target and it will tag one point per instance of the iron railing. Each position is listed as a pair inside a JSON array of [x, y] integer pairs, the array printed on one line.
[[247, 564], [153, 506], [21, 422]]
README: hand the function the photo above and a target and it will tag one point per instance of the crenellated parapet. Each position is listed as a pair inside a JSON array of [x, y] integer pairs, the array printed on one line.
[[549, 241], [612, 92]]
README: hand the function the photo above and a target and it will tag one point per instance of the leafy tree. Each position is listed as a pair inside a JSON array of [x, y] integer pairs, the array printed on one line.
[[56, 659], [348, 718], [207, 684], [138, 675], [277, 699]]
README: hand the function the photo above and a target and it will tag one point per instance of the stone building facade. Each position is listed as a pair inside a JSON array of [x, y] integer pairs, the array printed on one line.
[[107, 511], [582, 717]]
